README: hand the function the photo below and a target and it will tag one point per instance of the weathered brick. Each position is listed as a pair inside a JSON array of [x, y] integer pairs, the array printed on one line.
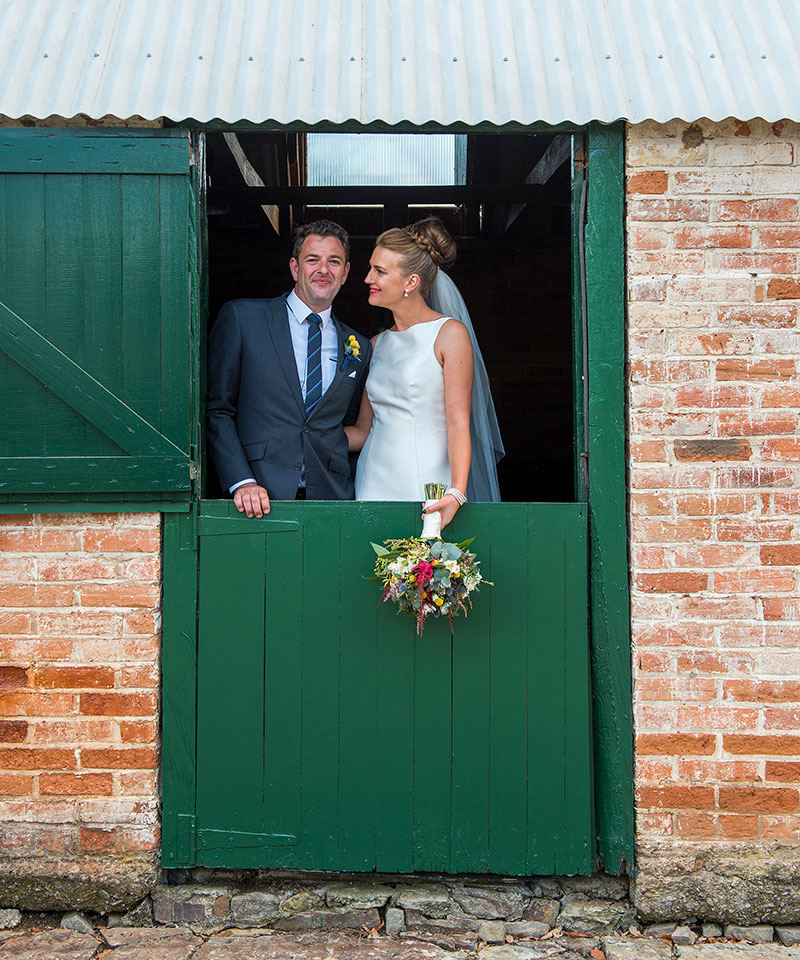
[[772, 369], [738, 827], [648, 181], [768, 691], [27, 758], [767, 745], [787, 448], [692, 826], [758, 799], [713, 449], [119, 595], [35, 595], [12, 678], [779, 236], [122, 540], [713, 237], [677, 797], [63, 784], [677, 582], [118, 704], [32, 704], [16, 785], [73, 678], [713, 181], [784, 288], [780, 554], [679, 744], [774, 208], [13, 731], [141, 758], [669, 210], [138, 731], [754, 581], [96, 840], [782, 772]]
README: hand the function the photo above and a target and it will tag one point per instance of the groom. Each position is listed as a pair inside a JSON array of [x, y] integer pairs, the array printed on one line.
[[284, 377]]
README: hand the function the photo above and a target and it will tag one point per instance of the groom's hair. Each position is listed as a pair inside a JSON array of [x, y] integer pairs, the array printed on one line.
[[320, 228]]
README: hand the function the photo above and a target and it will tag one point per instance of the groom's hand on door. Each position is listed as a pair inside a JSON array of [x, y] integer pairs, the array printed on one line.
[[251, 499]]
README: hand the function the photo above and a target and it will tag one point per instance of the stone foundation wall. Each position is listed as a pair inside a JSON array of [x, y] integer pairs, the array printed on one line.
[[713, 293], [79, 678]]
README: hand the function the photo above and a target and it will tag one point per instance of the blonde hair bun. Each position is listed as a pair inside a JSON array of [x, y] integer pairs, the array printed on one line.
[[431, 234]]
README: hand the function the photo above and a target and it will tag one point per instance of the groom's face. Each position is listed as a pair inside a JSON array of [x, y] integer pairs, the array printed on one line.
[[319, 271]]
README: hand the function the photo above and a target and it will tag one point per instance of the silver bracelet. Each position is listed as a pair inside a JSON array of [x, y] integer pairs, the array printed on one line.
[[460, 498]]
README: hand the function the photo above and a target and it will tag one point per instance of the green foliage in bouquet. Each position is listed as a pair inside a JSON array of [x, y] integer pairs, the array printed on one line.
[[427, 578]]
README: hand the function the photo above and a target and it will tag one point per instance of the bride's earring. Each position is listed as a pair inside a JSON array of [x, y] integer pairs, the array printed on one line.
[[405, 292]]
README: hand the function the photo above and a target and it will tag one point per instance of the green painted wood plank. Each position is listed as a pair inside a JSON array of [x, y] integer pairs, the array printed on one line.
[[433, 744], [578, 840], [178, 691], [96, 505], [101, 307], [546, 599], [321, 652], [394, 722], [283, 688], [230, 688], [610, 605], [22, 475], [23, 256], [54, 150], [358, 746], [63, 429], [141, 296], [20, 341], [472, 641], [175, 313], [509, 666]]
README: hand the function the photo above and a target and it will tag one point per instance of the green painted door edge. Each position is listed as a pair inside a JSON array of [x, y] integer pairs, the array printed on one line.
[[94, 506], [609, 594], [179, 690]]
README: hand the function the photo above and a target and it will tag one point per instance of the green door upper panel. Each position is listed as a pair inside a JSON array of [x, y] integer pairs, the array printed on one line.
[[95, 312]]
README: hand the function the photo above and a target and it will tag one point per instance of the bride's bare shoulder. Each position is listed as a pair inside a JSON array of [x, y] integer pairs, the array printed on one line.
[[453, 338]]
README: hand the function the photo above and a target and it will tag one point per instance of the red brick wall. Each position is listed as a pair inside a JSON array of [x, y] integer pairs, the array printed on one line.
[[79, 647], [713, 288]]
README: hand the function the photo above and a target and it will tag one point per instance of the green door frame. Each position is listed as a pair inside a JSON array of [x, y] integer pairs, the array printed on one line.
[[609, 596]]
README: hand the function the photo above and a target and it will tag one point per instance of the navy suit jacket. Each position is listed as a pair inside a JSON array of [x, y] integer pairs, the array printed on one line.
[[256, 423]]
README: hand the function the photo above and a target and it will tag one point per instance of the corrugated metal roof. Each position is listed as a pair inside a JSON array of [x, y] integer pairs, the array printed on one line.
[[419, 61]]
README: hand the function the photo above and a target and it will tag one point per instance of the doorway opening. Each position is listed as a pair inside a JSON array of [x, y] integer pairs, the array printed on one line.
[[508, 204]]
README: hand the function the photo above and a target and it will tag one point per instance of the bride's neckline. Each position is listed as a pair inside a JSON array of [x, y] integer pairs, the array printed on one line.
[[420, 323]]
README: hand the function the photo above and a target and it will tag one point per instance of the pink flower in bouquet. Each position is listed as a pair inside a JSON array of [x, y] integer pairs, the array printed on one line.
[[424, 572]]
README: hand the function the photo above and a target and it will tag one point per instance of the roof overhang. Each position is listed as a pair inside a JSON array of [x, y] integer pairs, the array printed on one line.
[[400, 62]]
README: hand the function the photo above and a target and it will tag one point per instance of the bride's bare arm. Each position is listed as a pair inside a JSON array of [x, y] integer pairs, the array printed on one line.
[[454, 351], [357, 434]]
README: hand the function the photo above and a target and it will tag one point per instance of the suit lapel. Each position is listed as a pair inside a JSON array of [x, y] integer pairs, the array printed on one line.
[[278, 328]]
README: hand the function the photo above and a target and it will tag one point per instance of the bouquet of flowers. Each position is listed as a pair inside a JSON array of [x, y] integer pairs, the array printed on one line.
[[427, 577]]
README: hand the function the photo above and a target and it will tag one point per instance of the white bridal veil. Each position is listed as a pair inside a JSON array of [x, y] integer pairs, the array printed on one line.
[[487, 445]]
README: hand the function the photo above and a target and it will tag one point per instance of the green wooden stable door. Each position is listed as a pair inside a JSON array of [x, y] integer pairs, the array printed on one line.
[[330, 736]]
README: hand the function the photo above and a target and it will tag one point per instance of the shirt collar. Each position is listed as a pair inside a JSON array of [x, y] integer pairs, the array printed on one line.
[[299, 311]]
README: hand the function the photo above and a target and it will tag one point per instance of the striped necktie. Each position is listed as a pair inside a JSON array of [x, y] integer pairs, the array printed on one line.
[[313, 362]]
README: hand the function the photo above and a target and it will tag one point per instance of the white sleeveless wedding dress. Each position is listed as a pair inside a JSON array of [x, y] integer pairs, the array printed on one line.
[[407, 445]]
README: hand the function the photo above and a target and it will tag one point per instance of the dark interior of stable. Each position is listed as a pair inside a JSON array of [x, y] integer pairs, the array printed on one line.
[[511, 220]]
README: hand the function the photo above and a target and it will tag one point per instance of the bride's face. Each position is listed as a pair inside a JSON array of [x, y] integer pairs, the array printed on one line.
[[386, 280]]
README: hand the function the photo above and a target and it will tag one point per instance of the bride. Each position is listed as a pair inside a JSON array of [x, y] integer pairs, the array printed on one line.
[[426, 413]]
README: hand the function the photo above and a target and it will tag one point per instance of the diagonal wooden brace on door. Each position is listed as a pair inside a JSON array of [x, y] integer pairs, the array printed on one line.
[[155, 462]]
